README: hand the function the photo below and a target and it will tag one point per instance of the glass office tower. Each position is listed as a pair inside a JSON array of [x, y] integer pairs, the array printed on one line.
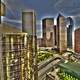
[[70, 24]]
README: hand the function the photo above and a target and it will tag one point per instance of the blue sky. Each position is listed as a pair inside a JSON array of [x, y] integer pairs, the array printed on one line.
[[42, 8]]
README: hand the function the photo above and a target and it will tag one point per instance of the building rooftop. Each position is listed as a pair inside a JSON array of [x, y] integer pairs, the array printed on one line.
[[8, 28]]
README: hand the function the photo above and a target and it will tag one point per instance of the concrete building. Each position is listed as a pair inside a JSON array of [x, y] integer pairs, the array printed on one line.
[[2, 9], [39, 42], [48, 32], [77, 40], [55, 34], [29, 26], [13, 56], [29, 22], [16, 51], [69, 23], [61, 33]]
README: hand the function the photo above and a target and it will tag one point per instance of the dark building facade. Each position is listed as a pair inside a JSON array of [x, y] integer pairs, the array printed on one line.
[[77, 40], [70, 25], [39, 42], [61, 33], [55, 27], [48, 32]]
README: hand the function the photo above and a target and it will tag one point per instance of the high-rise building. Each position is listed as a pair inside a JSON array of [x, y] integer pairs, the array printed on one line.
[[77, 40], [55, 27], [61, 33], [2, 9], [48, 32], [69, 22], [16, 57], [13, 56], [29, 26], [29, 22]]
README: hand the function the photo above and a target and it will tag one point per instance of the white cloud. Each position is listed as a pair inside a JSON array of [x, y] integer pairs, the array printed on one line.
[[68, 6], [10, 20]]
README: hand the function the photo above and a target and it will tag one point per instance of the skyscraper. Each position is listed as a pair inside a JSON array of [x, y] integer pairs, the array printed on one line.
[[13, 56], [29, 22], [69, 23], [61, 33], [29, 26], [48, 32], [77, 40], [55, 36], [2, 10]]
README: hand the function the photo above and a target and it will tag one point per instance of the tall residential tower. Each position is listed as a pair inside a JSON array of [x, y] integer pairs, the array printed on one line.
[[61, 33]]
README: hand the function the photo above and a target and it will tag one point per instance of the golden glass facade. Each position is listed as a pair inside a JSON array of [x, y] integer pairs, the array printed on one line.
[[14, 54], [2, 9], [17, 57]]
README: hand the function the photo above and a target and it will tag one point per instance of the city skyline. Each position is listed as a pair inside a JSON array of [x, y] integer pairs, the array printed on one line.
[[25, 54], [51, 9]]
